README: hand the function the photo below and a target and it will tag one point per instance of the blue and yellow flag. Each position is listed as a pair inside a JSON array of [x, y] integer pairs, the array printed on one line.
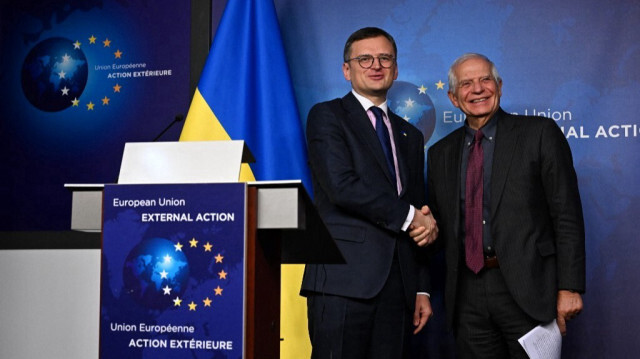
[[245, 93]]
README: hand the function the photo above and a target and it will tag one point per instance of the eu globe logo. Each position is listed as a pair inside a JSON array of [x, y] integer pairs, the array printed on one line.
[[154, 273], [54, 74], [414, 105]]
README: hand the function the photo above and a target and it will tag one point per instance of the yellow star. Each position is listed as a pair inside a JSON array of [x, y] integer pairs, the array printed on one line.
[[207, 247], [90, 106], [107, 43], [218, 290], [207, 302], [118, 54], [105, 101], [192, 306], [75, 102], [193, 242], [178, 247], [92, 39], [440, 85], [222, 274], [177, 301], [422, 90], [76, 45], [117, 88], [218, 258]]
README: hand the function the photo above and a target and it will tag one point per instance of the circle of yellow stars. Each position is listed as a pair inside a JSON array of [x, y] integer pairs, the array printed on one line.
[[106, 43], [222, 274]]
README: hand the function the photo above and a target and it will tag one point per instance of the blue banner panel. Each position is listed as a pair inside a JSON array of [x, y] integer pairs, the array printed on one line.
[[80, 79], [173, 271], [575, 61]]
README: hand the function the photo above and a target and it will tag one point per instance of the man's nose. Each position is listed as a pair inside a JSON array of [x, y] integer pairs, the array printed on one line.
[[477, 86]]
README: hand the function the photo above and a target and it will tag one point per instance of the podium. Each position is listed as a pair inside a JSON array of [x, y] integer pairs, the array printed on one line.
[[282, 223]]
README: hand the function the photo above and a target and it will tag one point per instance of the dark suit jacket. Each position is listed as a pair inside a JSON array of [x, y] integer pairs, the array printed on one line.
[[536, 214], [359, 203]]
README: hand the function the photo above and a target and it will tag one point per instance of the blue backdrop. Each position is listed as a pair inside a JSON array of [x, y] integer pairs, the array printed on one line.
[[79, 79], [575, 61]]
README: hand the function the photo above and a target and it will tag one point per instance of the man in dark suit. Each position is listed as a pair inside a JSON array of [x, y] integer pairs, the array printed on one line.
[[367, 168], [504, 192]]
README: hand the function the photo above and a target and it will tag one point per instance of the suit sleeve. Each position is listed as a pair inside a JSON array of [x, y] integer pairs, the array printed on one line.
[[338, 162], [432, 198], [563, 197]]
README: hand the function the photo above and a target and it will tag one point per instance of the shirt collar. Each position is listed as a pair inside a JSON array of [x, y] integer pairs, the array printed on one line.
[[488, 130], [366, 103]]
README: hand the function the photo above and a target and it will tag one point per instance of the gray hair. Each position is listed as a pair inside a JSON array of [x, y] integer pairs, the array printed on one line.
[[453, 80]]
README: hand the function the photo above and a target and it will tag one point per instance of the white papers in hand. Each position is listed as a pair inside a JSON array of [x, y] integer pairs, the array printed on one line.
[[543, 341]]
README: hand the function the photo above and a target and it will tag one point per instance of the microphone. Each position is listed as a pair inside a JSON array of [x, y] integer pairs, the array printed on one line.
[[178, 118]]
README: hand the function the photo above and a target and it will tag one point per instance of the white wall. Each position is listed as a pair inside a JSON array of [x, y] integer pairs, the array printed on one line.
[[49, 303]]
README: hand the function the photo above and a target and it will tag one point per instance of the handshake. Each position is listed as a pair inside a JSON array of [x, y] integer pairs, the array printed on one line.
[[423, 229]]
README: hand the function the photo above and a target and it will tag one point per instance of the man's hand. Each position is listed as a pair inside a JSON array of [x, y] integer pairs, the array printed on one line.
[[569, 306], [422, 313], [423, 228]]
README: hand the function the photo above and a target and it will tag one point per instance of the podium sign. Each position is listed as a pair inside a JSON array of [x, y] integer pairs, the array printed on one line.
[[173, 271]]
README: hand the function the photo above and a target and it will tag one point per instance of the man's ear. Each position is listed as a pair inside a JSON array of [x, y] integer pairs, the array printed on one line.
[[346, 71], [453, 99]]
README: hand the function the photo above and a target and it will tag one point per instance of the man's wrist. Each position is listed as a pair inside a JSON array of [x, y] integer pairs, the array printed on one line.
[[410, 215]]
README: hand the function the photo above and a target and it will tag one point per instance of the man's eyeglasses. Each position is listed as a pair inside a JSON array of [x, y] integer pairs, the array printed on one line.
[[366, 61]]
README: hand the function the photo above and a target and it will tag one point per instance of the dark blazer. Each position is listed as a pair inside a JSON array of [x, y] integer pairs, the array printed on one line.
[[537, 224], [359, 203]]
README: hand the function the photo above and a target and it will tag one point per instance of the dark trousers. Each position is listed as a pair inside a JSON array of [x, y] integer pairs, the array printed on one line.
[[349, 328], [488, 321]]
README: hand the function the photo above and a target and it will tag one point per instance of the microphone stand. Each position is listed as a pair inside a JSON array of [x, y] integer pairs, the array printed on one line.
[[178, 118]]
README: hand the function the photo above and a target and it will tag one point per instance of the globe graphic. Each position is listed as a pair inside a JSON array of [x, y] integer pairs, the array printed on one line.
[[54, 73], [155, 273], [406, 101]]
